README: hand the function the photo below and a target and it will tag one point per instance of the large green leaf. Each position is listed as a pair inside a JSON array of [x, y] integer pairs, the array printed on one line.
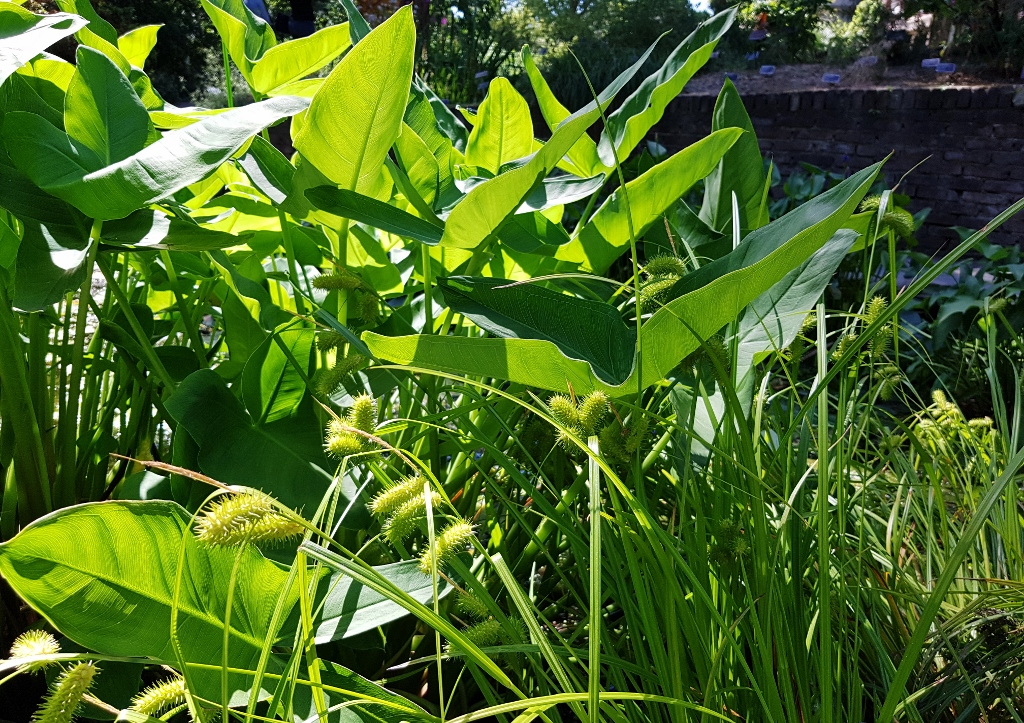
[[182, 157], [503, 131], [581, 329], [606, 236], [296, 59], [583, 154], [705, 300], [51, 262], [102, 111], [272, 387], [741, 171], [630, 122], [350, 608], [24, 35], [356, 115], [561, 190], [246, 36], [485, 208], [103, 574], [138, 43], [285, 458], [145, 229], [372, 212], [97, 25]]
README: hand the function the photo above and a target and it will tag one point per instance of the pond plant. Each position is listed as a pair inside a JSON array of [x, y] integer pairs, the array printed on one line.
[[437, 421]]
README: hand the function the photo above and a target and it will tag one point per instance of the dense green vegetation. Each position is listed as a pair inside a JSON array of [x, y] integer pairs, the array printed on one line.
[[434, 421]]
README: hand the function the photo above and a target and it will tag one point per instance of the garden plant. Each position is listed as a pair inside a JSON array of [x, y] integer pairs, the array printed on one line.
[[436, 421]]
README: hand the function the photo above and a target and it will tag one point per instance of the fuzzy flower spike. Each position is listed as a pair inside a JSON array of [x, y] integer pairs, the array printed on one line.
[[34, 643], [247, 517], [66, 694]]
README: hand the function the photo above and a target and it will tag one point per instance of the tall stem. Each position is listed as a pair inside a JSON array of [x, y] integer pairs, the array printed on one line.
[[227, 75]]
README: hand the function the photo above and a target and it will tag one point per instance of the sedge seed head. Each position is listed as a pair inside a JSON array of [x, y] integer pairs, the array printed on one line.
[[473, 606], [391, 498], [338, 279], [564, 410], [899, 220], [447, 545], [875, 308], [403, 520], [330, 339], [871, 203], [160, 696], [363, 413], [66, 695], [247, 517], [33, 643], [593, 407], [369, 308], [845, 344], [655, 293], [345, 444], [484, 634], [665, 266]]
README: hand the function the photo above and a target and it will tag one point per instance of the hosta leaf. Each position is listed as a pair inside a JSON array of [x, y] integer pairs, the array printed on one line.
[[137, 44], [356, 115], [503, 130], [103, 574], [180, 158], [102, 111], [298, 58], [372, 212], [741, 170], [24, 35], [630, 122], [486, 207], [606, 236], [705, 300]]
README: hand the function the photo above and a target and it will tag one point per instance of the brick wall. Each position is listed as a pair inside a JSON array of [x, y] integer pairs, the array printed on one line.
[[975, 137]]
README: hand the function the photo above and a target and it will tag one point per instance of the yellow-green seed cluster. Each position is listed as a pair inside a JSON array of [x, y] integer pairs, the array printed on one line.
[[249, 517], [337, 280], [661, 274], [580, 420], [342, 441], [449, 543], [33, 643], [898, 219], [402, 505], [66, 695], [329, 380], [161, 696]]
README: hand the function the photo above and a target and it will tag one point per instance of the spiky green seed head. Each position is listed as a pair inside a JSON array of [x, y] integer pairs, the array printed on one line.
[[889, 381], [880, 342], [484, 634], [870, 203], [592, 409], [363, 413], [996, 306], [900, 221], [248, 517], [330, 339], [983, 423], [391, 498], [636, 434], [448, 544], [564, 410], [66, 695], [33, 643], [345, 444], [403, 521], [939, 399], [875, 309], [655, 293], [665, 266], [337, 279], [159, 697], [368, 308], [473, 606], [845, 344]]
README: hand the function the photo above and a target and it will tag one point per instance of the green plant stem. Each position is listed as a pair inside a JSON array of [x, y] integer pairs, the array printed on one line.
[[824, 543], [147, 346], [594, 660], [227, 75], [33, 481], [191, 326]]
